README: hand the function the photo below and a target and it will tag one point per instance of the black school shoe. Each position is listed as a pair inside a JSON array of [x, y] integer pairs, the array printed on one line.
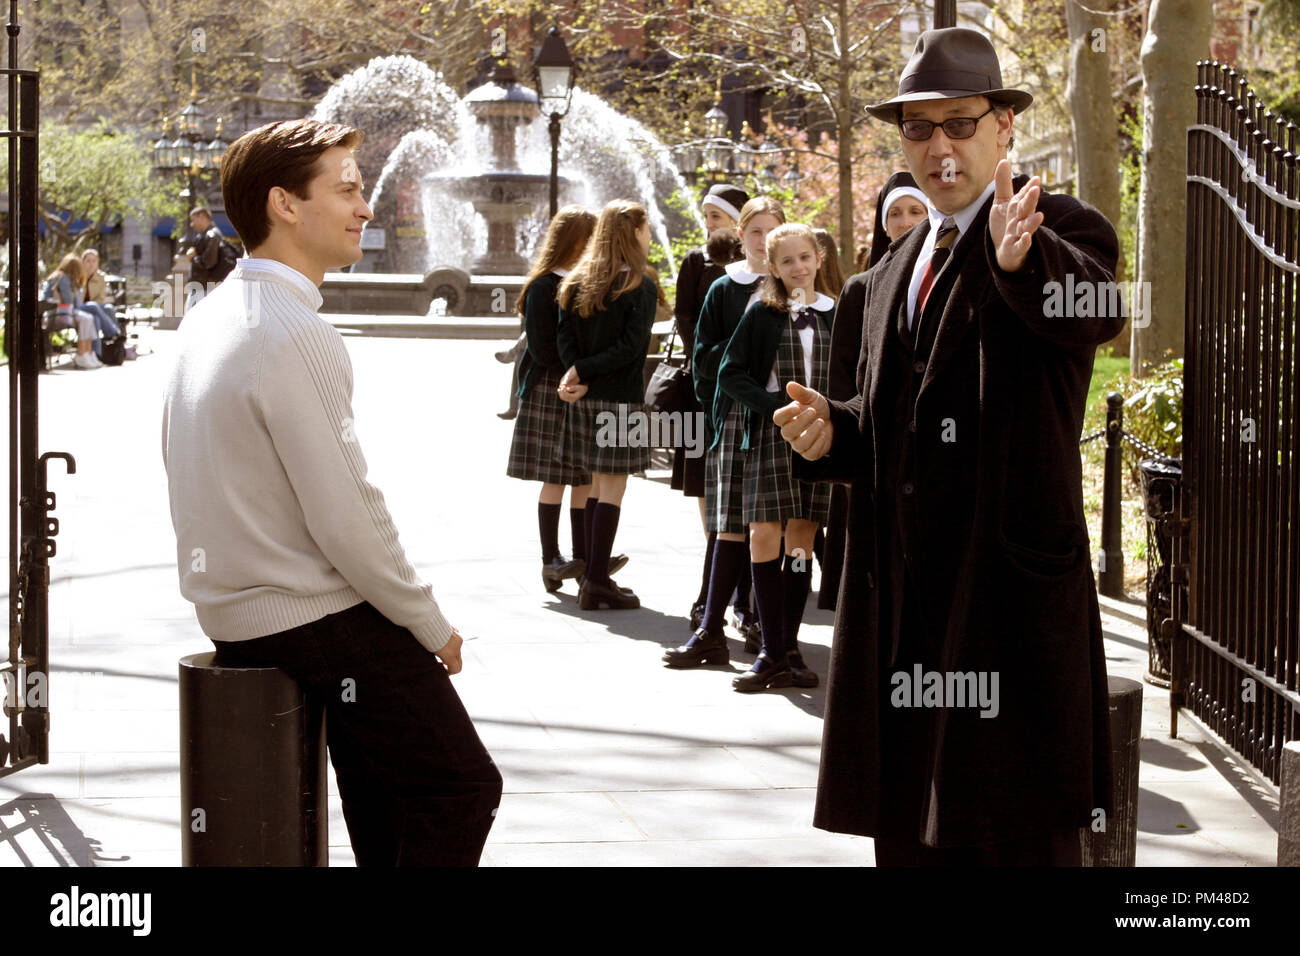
[[764, 674], [558, 569], [746, 624], [800, 675], [704, 647], [593, 596]]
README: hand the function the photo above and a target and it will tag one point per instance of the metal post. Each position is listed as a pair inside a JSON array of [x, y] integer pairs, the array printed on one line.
[[1113, 841], [555, 163], [1110, 579], [253, 772]]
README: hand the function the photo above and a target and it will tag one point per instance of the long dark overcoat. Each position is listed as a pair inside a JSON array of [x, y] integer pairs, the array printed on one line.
[[1001, 547]]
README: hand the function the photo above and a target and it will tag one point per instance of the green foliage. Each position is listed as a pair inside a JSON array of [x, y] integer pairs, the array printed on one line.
[[89, 177], [1275, 78], [1153, 409]]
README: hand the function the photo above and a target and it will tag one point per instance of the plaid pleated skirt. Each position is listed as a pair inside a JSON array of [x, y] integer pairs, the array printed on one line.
[[535, 447], [771, 491], [724, 478], [601, 437]]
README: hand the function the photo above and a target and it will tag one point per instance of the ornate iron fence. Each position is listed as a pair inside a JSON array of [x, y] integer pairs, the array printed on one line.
[[1235, 626]]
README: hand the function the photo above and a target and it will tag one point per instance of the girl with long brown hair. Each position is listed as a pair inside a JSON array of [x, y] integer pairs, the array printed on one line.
[[607, 309], [65, 285], [784, 337], [534, 451]]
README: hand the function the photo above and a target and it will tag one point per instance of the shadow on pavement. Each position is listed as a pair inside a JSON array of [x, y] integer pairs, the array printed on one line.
[[43, 816], [671, 630]]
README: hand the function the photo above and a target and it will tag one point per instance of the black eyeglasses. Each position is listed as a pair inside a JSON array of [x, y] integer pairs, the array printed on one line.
[[956, 127]]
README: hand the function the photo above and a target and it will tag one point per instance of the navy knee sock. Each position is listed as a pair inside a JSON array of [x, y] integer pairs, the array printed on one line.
[[728, 558], [603, 529], [795, 584], [770, 597], [548, 524], [743, 586], [708, 569], [589, 518], [578, 526]]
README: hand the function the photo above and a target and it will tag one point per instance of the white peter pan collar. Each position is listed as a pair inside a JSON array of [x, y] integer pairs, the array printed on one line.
[[823, 303], [739, 272], [562, 273]]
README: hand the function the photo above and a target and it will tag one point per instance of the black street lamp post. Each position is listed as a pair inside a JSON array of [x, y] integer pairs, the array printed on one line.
[[188, 154], [554, 68]]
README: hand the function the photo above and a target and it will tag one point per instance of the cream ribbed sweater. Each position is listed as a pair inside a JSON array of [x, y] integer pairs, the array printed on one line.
[[276, 524]]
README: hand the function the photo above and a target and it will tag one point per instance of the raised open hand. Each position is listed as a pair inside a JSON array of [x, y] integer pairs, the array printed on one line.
[[1013, 218]]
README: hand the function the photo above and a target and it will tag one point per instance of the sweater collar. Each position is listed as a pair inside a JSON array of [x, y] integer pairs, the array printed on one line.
[[274, 270]]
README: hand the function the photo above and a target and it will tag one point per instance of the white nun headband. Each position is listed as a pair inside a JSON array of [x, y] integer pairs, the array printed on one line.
[[897, 193]]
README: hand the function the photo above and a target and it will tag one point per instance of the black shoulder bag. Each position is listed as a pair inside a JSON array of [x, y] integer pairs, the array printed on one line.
[[670, 387]]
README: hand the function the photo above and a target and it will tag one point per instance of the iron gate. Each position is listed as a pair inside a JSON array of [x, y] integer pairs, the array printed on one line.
[[31, 526], [1235, 626]]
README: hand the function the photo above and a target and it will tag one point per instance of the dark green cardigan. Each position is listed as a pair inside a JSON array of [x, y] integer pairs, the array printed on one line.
[[609, 348], [541, 315], [747, 364], [724, 304]]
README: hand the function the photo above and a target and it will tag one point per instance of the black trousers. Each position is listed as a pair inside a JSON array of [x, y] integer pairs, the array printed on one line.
[[418, 787]]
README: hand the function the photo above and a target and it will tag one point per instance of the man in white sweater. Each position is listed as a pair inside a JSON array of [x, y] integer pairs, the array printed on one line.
[[287, 551]]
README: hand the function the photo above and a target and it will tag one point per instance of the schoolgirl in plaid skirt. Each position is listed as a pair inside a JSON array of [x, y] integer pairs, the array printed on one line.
[[724, 304], [607, 308], [783, 338], [534, 449]]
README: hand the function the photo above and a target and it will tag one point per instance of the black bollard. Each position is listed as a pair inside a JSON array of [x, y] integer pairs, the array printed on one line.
[[1116, 843], [1110, 576], [253, 771], [1288, 817]]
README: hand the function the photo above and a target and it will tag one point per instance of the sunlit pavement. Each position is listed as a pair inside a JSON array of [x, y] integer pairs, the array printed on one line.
[[608, 757]]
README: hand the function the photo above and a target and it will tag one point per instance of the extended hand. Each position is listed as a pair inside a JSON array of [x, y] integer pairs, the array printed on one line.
[[806, 422], [1013, 218]]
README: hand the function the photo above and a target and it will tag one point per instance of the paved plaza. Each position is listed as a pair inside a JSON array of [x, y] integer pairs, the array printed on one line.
[[609, 759]]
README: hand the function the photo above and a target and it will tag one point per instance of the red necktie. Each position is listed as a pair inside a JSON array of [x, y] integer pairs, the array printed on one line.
[[947, 235]]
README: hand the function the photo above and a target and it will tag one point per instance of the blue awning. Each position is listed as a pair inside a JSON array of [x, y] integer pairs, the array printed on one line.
[[108, 225]]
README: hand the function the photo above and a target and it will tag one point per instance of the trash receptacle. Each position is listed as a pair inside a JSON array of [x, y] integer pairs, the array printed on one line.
[[1162, 480], [253, 768]]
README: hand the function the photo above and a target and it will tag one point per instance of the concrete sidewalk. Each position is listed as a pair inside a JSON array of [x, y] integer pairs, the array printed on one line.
[[608, 757]]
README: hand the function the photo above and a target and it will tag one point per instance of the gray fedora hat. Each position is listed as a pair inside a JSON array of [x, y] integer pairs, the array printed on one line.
[[947, 64]]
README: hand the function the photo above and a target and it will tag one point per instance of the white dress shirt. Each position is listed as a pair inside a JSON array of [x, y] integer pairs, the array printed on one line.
[[963, 218]]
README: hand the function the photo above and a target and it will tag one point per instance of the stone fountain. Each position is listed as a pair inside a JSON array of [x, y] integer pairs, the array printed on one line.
[[502, 193], [461, 200]]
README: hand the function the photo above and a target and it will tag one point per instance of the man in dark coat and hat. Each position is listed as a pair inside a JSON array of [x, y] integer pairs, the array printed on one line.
[[966, 716]]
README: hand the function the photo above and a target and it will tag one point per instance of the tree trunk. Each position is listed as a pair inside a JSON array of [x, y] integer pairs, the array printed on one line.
[[1178, 33], [1095, 131]]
